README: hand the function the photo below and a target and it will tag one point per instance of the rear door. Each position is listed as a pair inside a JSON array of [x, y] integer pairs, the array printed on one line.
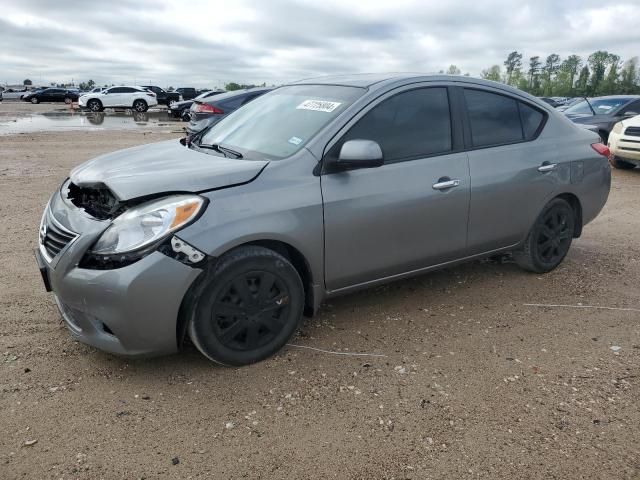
[[385, 221], [514, 168]]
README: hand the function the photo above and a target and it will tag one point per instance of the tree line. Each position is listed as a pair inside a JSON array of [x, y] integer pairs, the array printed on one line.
[[601, 73]]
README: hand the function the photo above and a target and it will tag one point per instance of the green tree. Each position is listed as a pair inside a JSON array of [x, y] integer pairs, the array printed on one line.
[[492, 73], [610, 84], [512, 64], [26, 82], [569, 70], [453, 70], [550, 69], [582, 85], [534, 74], [87, 85], [629, 76], [598, 62]]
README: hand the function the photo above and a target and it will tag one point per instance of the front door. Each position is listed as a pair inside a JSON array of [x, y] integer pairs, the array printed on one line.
[[411, 212]]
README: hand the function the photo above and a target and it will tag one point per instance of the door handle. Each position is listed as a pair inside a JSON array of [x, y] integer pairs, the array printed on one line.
[[547, 167], [445, 184]]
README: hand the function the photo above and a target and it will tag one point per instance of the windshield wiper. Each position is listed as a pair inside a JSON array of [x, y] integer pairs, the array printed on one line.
[[213, 146], [589, 103], [220, 149], [235, 153]]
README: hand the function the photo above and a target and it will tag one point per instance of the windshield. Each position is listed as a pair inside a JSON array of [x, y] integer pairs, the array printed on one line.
[[600, 106], [281, 122]]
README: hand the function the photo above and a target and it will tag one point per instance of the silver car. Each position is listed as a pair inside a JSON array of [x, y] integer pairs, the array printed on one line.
[[316, 189]]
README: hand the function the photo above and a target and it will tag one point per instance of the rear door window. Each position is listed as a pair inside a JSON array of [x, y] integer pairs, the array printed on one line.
[[494, 119]]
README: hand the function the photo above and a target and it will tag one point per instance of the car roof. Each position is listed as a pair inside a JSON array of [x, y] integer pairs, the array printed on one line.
[[362, 80], [381, 80], [368, 80]]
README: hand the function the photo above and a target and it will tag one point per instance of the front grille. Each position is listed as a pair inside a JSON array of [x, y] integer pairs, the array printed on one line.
[[632, 131], [53, 236]]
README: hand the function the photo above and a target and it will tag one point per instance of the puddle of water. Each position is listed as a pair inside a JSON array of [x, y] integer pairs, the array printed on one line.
[[57, 121]]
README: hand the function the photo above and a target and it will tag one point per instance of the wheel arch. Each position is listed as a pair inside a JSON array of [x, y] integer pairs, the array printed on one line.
[[287, 250], [574, 201]]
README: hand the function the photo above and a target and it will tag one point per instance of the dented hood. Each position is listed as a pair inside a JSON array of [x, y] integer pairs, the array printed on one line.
[[163, 167]]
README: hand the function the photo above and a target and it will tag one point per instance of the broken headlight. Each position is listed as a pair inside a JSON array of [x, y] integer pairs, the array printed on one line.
[[139, 230]]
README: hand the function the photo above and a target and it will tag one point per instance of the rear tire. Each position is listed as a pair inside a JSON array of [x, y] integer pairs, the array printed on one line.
[[95, 105], [68, 100], [140, 106], [247, 308], [549, 240], [621, 164]]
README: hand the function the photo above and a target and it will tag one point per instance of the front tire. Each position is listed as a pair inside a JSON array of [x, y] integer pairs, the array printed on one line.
[[621, 164], [549, 240], [140, 106], [95, 105], [35, 101], [248, 307]]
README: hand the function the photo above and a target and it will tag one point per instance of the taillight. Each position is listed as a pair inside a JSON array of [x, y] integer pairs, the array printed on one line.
[[206, 108], [602, 149]]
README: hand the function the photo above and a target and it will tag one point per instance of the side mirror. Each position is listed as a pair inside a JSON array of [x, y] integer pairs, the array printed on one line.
[[360, 154], [631, 114]]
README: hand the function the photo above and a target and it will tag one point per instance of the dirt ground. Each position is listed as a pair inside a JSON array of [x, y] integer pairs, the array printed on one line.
[[473, 384]]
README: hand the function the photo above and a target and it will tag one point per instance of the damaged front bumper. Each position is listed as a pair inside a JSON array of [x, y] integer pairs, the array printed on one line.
[[132, 310]]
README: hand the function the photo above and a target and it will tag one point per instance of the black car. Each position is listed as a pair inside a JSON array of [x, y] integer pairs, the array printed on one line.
[[181, 109], [187, 92], [602, 113], [164, 97], [52, 95], [208, 112]]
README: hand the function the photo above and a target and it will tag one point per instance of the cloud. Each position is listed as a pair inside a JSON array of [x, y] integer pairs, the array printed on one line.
[[208, 43]]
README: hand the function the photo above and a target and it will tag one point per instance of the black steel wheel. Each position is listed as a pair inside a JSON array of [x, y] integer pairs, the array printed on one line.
[[549, 240], [140, 106], [248, 308]]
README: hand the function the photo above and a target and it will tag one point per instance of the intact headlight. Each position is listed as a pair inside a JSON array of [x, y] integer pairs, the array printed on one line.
[[146, 224]]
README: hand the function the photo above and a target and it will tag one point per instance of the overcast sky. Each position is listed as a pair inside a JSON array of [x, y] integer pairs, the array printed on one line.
[[207, 43]]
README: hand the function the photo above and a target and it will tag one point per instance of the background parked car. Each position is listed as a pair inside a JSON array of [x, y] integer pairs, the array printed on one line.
[[570, 102], [95, 90], [604, 112], [52, 95], [550, 101], [163, 97], [207, 112], [13, 94], [135, 98], [181, 109], [624, 143], [187, 93]]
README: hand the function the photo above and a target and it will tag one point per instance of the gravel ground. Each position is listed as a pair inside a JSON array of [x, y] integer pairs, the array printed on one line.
[[472, 384]]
